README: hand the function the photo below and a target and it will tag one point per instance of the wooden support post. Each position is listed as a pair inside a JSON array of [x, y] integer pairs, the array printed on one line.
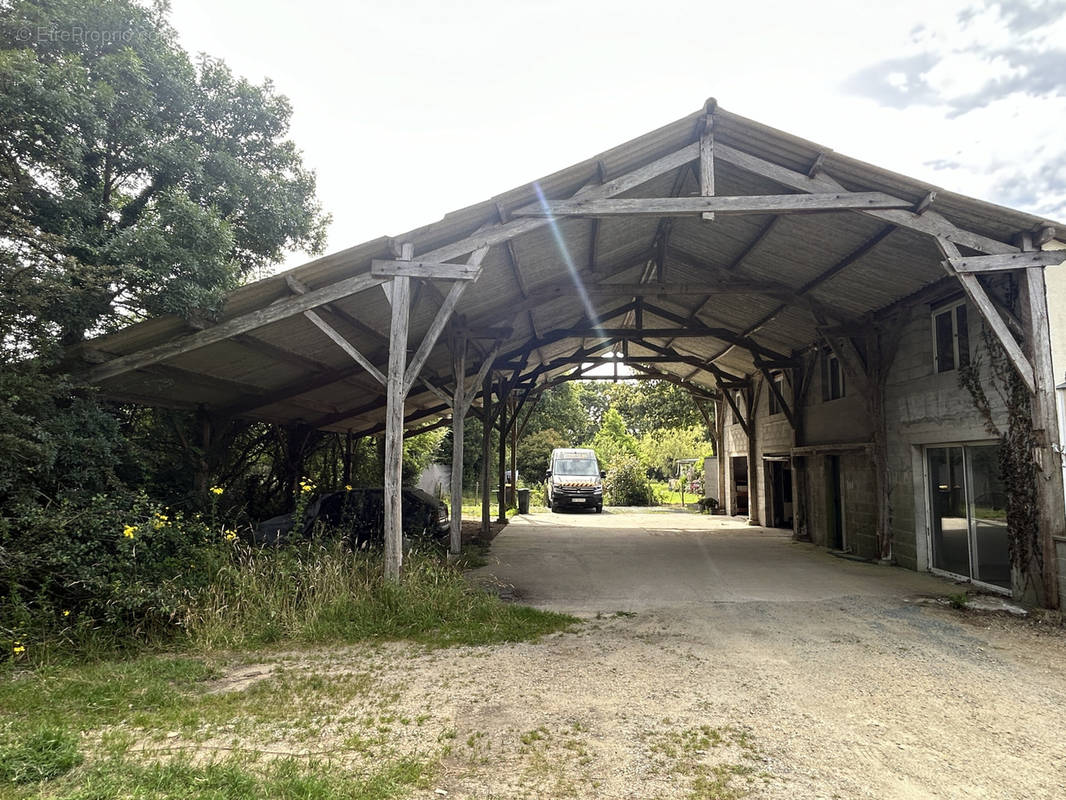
[[486, 449], [504, 399], [1051, 513], [459, 407], [347, 474], [754, 462], [719, 449], [707, 162], [401, 309], [515, 408]]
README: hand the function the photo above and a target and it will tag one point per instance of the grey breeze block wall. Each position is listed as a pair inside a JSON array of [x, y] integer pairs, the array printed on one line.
[[922, 408]]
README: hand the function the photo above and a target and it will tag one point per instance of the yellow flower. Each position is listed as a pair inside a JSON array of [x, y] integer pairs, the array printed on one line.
[[18, 648], [230, 535], [129, 531], [66, 613], [347, 488], [216, 490], [306, 487]]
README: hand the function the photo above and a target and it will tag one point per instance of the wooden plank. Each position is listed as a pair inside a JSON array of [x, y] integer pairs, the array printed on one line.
[[444, 313], [930, 222], [394, 422], [707, 162], [785, 405], [1005, 261], [482, 372], [517, 227], [1051, 511], [977, 295], [459, 407], [424, 269], [283, 309], [697, 206], [298, 287], [335, 336], [486, 439]]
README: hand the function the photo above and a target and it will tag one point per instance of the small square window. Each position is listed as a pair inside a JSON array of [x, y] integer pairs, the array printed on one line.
[[951, 339]]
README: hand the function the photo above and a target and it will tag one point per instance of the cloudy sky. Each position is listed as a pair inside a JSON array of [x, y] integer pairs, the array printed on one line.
[[408, 110]]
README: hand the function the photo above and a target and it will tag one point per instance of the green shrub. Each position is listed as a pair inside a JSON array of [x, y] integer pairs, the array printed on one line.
[[117, 567], [627, 484]]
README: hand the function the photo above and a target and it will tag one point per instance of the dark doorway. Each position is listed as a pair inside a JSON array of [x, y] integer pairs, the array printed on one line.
[[836, 504], [779, 491], [740, 484]]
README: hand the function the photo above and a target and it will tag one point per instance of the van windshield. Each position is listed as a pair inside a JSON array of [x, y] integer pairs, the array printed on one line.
[[576, 466]]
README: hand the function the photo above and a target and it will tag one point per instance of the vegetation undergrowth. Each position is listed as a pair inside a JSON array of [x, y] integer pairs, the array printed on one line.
[[324, 592]]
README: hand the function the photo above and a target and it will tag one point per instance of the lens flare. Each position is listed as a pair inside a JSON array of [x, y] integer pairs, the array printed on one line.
[[568, 260]]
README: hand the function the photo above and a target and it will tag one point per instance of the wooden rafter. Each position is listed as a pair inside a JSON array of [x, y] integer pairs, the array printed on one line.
[[698, 206]]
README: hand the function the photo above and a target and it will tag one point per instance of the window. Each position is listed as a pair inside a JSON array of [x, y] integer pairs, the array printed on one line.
[[832, 376], [951, 339], [779, 382]]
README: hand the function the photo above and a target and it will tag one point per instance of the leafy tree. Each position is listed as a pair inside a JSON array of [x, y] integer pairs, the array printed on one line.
[[534, 450], [613, 442], [133, 181], [661, 448]]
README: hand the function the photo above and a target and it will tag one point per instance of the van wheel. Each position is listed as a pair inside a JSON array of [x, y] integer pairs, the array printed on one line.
[[599, 508]]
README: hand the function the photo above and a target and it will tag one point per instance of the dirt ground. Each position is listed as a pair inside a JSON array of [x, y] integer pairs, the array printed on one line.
[[855, 688]]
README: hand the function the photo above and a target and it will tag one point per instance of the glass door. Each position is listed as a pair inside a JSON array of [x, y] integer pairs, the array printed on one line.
[[988, 517], [968, 518], [947, 506]]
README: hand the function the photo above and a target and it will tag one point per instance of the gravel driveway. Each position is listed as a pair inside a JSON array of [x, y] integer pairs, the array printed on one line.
[[713, 660], [743, 664]]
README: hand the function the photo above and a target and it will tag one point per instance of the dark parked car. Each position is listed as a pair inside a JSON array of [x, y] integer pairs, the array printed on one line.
[[360, 515]]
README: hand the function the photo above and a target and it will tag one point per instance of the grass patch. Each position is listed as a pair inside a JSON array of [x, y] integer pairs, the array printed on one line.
[[232, 779], [325, 593]]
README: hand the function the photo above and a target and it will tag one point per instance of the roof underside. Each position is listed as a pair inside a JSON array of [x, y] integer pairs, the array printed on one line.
[[781, 269]]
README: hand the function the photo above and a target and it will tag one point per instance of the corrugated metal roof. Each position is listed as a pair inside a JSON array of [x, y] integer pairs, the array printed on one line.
[[289, 371]]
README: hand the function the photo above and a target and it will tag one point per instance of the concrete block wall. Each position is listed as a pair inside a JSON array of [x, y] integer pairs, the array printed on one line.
[[922, 408], [925, 408]]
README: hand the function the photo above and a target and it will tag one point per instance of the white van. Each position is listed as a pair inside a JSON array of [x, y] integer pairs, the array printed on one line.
[[575, 479]]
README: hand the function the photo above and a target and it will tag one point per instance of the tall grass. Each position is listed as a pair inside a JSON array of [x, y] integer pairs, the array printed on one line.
[[322, 591]]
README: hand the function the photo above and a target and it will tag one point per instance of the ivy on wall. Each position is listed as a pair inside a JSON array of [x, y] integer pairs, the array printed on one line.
[[1016, 463]]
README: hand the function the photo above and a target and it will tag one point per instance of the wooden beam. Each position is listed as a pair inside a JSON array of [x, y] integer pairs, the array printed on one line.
[[517, 227], [707, 162], [459, 407], [424, 269], [297, 286], [925, 203], [394, 423], [930, 223], [444, 313], [480, 378], [738, 416], [275, 312], [785, 405], [1051, 513], [335, 336], [697, 206], [1005, 261], [486, 439], [977, 295]]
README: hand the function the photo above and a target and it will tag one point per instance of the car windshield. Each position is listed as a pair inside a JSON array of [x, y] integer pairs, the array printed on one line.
[[576, 466]]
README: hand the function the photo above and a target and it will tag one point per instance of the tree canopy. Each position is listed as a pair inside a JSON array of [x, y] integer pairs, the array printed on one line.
[[134, 180]]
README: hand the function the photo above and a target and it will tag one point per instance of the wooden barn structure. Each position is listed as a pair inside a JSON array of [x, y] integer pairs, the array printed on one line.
[[731, 258]]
